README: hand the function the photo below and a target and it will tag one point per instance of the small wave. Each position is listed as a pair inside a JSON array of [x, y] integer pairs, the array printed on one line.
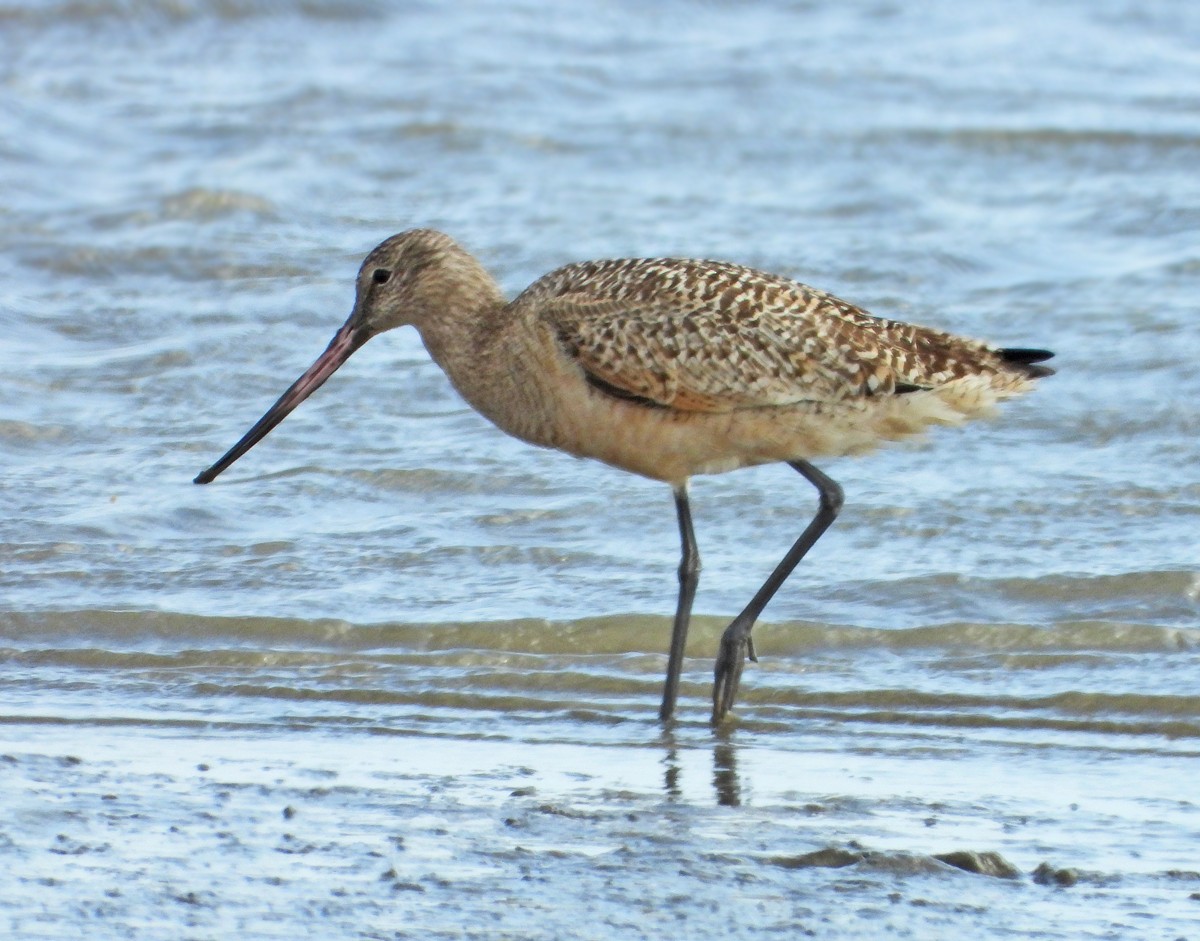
[[608, 635], [202, 205], [148, 13], [1072, 683], [1034, 139]]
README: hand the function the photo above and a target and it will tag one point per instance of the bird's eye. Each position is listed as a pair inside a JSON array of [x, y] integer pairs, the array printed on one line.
[[381, 275]]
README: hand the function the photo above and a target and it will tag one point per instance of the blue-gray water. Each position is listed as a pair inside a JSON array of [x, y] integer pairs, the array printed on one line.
[[395, 674]]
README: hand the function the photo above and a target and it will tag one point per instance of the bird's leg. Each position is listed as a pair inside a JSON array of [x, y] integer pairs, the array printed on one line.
[[736, 643], [689, 577]]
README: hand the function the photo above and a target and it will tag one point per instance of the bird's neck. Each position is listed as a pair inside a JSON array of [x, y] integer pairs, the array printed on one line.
[[493, 362], [463, 320]]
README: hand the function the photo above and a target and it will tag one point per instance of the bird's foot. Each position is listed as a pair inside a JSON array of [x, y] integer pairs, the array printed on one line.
[[737, 646]]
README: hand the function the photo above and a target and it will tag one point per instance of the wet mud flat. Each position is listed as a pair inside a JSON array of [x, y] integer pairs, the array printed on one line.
[[202, 833]]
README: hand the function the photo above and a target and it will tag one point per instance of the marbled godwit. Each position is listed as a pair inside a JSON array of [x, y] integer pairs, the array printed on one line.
[[669, 368]]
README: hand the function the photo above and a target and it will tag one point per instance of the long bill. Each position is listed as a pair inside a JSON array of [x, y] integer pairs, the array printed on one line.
[[348, 339]]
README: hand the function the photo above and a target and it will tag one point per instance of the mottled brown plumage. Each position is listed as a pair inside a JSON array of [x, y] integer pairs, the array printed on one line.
[[671, 368], [711, 336]]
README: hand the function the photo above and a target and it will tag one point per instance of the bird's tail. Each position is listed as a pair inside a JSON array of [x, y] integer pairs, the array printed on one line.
[[1026, 361]]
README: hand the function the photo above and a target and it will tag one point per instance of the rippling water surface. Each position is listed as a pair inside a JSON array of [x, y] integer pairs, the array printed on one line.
[[396, 674]]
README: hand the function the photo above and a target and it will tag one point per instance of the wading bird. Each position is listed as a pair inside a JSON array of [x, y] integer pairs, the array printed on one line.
[[670, 368]]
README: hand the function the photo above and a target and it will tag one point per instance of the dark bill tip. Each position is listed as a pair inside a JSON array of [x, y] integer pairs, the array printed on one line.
[[344, 342]]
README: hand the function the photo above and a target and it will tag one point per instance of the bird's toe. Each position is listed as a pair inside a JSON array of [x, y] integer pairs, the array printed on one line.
[[736, 647]]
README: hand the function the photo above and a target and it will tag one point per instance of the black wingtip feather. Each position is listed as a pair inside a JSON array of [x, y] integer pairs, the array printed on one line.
[[1025, 359], [1018, 355]]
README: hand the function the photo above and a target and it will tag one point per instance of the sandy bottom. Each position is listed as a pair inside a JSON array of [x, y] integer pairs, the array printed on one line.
[[123, 834]]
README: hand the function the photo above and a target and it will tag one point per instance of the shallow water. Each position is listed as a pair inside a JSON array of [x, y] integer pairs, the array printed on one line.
[[396, 674]]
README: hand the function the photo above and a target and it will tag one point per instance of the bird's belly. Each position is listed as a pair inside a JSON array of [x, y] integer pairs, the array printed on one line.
[[663, 444], [671, 445]]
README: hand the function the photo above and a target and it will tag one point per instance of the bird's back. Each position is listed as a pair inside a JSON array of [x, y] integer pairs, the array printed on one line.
[[714, 336]]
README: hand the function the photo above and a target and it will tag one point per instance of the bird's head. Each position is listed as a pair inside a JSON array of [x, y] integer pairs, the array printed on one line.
[[419, 277]]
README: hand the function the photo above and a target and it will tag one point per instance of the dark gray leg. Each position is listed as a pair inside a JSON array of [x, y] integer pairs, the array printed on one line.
[[689, 577], [735, 642]]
